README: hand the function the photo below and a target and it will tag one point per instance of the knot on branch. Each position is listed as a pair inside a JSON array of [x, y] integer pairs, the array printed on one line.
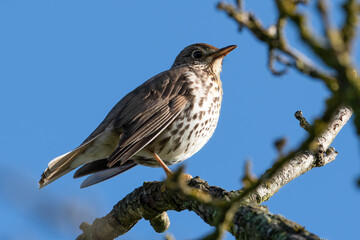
[[160, 223]]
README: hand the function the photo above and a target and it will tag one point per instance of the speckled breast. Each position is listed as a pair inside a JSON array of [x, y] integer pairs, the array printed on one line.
[[192, 129]]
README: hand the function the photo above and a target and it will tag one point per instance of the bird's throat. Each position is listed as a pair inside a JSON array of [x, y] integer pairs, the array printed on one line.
[[216, 66]]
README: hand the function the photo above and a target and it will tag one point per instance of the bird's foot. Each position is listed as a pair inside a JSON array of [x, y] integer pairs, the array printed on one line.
[[186, 177], [182, 177]]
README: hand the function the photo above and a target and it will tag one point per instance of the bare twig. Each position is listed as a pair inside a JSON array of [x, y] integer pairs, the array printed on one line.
[[348, 29], [332, 34], [273, 57], [302, 161], [271, 38], [249, 178], [280, 145], [303, 122]]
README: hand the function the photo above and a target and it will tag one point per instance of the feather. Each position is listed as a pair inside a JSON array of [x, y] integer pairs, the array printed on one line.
[[106, 174], [62, 164]]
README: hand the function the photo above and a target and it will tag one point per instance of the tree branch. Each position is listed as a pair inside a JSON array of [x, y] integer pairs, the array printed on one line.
[[152, 200]]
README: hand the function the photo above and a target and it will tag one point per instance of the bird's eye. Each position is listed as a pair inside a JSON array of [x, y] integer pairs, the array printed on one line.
[[197, 54]]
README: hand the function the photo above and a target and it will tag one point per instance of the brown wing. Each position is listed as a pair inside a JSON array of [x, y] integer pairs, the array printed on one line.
[[138, 133], [145, 112]]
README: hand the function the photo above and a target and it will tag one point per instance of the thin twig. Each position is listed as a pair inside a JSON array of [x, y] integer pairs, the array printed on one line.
[[270, 37], [249, 177], [302, 121], [348, 29]]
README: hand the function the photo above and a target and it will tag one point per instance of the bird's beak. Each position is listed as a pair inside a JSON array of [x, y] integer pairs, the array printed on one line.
[[223, 52]]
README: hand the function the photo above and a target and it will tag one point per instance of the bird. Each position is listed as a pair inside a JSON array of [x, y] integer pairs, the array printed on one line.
[[164, 121]]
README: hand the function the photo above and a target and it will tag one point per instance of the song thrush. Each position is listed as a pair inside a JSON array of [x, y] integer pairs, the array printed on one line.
[[164, 121]]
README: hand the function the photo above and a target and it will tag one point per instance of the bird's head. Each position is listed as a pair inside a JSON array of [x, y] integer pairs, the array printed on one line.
[[203, 55]]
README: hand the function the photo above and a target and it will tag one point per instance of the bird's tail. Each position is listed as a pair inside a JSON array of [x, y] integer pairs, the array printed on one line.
[[100, 171], [61, 165]]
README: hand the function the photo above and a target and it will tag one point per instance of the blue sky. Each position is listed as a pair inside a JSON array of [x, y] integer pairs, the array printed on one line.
[[64, 64]]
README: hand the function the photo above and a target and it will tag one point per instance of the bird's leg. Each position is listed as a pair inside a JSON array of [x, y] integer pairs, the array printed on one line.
[[167, 170]]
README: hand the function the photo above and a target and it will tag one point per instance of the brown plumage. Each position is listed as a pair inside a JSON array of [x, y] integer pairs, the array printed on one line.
[[154, 124]]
